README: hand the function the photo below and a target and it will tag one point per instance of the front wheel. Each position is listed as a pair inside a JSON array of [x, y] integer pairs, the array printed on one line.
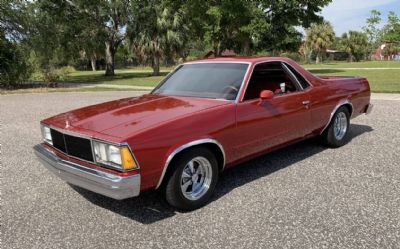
[[193, 181], [335, 135]]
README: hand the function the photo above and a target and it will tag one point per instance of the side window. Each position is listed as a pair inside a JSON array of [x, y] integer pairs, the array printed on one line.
[[270, 76], [303, 82]]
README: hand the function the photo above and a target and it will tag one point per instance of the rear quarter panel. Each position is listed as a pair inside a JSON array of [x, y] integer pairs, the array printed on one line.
[[334, 91]]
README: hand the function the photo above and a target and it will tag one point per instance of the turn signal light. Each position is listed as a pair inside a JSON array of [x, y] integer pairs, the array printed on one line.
[[128, 162]]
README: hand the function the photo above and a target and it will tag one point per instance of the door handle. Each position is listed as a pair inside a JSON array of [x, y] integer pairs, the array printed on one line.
[[306, 102]]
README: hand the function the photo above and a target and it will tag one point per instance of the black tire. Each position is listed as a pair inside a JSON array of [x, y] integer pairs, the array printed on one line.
[[173, 191], [328, 137]]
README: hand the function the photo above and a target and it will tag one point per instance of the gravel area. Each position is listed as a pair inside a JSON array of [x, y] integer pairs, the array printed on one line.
[[303, 196]]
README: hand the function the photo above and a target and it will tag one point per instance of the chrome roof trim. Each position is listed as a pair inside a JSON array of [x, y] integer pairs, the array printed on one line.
[[284, 65]]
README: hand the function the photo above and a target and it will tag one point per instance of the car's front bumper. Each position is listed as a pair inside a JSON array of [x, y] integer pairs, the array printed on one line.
[[111, 185]]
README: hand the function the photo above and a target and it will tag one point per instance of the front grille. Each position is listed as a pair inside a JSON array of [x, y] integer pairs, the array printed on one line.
[[71, 145]]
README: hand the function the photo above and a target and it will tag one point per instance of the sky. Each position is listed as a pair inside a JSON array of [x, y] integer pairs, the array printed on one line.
[[347, 15]]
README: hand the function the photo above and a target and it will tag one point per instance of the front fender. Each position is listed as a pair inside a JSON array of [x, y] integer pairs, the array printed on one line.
[[177, 148]]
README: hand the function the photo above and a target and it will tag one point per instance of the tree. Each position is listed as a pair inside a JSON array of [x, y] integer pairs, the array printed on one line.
[[13, 66], [283, 16], [391, 35], [166, 34], [354, 44], [62, 32], [254, 25], [80, 25], [115, 17], [372, 30], [107, 20], [391, 31], [319, 37], [14, 19], [230, 24]]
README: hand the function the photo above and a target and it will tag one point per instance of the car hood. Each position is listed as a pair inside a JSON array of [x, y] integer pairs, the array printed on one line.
[[124, 117]]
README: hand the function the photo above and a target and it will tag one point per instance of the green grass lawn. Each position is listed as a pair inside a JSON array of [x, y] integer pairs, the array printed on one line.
[[363, 64], [131, 77], [380, 80], [384, 76]]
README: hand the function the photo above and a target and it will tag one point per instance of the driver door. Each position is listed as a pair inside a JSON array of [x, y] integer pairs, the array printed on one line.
[[265, 124]]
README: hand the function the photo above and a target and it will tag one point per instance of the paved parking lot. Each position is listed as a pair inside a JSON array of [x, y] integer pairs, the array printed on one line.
[[304, 196]]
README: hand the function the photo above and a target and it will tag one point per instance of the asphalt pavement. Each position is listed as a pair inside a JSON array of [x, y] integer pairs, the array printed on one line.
[[303, 196]]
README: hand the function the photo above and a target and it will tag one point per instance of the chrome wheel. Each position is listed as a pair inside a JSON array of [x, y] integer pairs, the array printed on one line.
[[196, 178], [340, 126]]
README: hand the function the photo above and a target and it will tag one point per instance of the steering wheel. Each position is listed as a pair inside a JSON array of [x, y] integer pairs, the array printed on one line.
[[229, 91], [230, 88]]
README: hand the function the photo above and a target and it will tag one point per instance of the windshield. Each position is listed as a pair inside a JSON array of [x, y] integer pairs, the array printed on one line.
[[204, 80]]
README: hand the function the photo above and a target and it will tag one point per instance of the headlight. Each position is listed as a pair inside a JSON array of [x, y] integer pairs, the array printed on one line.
[[46, 134], [114, 156]]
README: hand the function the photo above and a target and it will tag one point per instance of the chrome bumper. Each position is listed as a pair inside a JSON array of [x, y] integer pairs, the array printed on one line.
[[369, 109], [114, 186]]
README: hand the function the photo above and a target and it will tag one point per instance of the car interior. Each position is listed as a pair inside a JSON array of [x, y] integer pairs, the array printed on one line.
[[270, 76]]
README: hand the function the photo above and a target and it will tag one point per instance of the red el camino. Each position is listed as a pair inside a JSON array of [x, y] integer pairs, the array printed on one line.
[[204, 117]]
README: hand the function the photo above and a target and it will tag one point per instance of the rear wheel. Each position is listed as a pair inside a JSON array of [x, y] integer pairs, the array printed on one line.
[[193, 180], [336, 134]]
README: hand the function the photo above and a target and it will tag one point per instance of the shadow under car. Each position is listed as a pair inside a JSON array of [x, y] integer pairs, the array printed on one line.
[[151, 207]]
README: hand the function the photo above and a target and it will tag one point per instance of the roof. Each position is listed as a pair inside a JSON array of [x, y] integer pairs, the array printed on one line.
[[238, 59]]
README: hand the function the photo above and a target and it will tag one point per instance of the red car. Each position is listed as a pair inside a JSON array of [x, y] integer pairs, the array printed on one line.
[[204, 117]]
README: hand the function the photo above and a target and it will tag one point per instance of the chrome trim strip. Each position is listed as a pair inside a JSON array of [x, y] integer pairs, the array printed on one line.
[[297, 82], [211, 62], [246, 76], [267, 61], [308, 82], [165, 78], [341, 103], [188, 145], [111, 185]]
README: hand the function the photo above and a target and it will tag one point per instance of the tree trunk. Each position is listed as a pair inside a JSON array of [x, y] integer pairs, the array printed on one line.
[[246, 48], [318, 59], [350, 57], [217, 52], [156, 65], [93, 62], [110, 53]]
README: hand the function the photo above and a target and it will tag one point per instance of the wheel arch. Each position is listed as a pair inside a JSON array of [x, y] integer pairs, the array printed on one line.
[[346, 103], [212, 144]]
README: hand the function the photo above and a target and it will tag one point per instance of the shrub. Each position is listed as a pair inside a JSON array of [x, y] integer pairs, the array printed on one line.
[[14, 68], [51, 75], [294, 56]]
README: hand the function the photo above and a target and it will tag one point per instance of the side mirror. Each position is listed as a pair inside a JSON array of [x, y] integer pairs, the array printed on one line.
[[266, 94]]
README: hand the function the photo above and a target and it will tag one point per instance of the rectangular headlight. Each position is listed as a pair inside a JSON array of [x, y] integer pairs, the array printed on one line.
[[46, 134], [118, 157]]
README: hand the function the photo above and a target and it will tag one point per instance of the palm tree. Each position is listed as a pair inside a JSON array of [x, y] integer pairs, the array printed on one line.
[[354, 43], [162, 36], [320, 37]]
